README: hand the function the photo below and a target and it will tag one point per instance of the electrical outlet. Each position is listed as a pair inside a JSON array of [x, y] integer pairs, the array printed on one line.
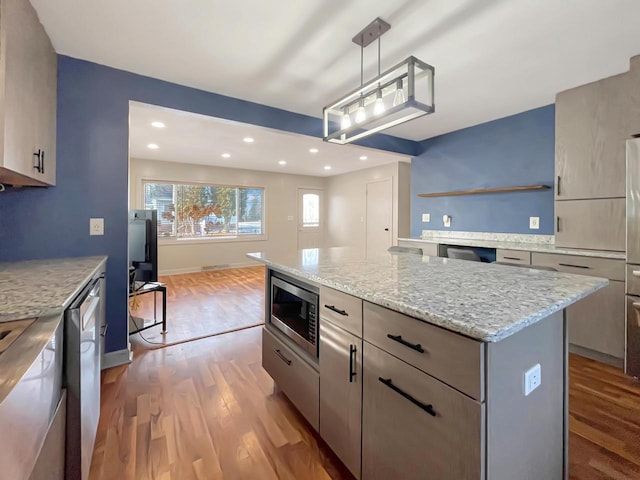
[[290, 217], [426, 217], [446, 220], [532, 379], [96, 226], [534, 223]]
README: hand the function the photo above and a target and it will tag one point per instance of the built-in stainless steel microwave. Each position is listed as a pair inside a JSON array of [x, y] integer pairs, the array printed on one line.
[[294, 311]]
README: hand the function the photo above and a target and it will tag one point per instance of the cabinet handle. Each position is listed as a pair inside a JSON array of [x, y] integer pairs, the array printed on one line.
[[104, 329], [413, 346], [282, 357], [42, 160], [427, 408], [558, 186], [574, 266], [636, 305], [352, 361], [636, 273], [511, 258], [337, 310], [38, 166], [557, 224]]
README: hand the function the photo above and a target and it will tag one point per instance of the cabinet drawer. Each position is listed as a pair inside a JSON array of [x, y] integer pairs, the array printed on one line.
[[633, 279], [592, 266], [341, 309], [293, 376], [402, 440], [513, 256], [428, 249], [454, 359]]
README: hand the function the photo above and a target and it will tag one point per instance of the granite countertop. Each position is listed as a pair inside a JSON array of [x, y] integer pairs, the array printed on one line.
[[484, 301], [515, 244], [37, 288]]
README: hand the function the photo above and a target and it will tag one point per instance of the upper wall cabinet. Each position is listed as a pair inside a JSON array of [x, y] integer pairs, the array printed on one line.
[[592, 123], [28, 86]]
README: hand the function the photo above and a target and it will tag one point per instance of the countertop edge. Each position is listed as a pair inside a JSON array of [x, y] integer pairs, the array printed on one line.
[[524, 246], [448, 324]]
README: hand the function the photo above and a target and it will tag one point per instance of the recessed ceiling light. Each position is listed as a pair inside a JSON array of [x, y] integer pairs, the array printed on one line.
[[282, 162], [226, 155], [153, 146], [327, 167], [158, 124], [363, 157], [313, 150], [248, 139]]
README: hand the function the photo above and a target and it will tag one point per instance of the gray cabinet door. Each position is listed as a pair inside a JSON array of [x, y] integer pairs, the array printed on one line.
[[29, 64], [341, 393], [597, 322], [592, 123], [414, 427], [591, 224]]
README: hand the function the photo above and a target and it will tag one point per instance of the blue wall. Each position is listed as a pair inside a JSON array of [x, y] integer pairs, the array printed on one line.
[[92, 170], [515, 150]]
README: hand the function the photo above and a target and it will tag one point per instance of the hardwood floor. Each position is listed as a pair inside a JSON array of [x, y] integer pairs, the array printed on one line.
[[204, 303], [604, 423], [205, 410]]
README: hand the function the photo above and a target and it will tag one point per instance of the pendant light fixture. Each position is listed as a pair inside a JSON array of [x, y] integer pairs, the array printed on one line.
[[395, 96]]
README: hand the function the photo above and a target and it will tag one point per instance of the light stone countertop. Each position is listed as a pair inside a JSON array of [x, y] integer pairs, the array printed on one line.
[[37, 288], [517, 245], [484, 301]]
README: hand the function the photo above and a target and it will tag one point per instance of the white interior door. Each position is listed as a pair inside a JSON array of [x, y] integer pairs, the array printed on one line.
[[379, 221], [310, 218]]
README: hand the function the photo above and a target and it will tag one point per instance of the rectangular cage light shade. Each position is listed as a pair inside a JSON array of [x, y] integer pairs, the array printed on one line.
[[402, 93]]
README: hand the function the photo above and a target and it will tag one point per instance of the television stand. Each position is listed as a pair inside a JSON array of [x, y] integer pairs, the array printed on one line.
[[140, 288]]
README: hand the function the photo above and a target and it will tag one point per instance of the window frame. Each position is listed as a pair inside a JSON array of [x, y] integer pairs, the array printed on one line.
[[175, 240]]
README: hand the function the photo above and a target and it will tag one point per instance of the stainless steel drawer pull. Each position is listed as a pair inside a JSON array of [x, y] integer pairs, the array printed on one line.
[[282, 357], [636, 305], [427, 408], [574, 266], [352, 361], [337, 310], [511, 258], [413, 346], [636, 273]]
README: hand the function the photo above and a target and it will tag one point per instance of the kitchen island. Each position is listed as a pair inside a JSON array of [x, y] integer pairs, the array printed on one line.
[[430, 367]]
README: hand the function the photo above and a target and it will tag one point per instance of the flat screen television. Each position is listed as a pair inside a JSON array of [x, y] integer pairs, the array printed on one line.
[[143, 245]]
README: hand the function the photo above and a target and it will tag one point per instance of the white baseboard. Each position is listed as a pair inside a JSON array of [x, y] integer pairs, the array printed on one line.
[[114, 359], [179, 271]]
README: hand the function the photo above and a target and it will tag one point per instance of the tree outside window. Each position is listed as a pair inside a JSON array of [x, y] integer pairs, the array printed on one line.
[[205, 211]]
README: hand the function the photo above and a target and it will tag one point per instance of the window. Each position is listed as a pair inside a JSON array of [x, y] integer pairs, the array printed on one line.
[[205, 211], [310, 210]]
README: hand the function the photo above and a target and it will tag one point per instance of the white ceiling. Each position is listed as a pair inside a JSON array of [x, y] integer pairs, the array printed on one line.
[[199, 139], [492, 57]]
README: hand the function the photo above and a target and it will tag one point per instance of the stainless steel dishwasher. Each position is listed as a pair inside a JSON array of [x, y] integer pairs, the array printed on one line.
[[83, 320]]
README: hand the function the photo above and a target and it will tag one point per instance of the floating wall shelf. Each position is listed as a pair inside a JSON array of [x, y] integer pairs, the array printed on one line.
[[519, 188]]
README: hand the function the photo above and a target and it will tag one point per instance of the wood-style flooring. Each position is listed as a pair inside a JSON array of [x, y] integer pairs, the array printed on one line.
[[204, 303], [205, 410]]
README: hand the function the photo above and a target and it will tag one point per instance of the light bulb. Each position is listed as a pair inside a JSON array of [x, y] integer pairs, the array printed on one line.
[[378, 107], [361, 115], [399, 97], [346, 119]]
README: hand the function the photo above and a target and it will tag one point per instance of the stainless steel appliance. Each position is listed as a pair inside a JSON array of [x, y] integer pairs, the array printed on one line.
[[632, 357], [83, 320], [294, 311]]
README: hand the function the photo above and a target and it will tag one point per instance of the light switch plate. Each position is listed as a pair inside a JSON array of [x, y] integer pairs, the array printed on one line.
[[96, 226], [534, 223], [426, 217]]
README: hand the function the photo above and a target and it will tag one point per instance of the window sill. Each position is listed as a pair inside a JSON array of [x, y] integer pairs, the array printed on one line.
[[196, 241]]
